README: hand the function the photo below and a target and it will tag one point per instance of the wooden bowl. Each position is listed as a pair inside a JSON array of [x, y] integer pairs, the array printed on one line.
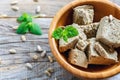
[[64, 17]]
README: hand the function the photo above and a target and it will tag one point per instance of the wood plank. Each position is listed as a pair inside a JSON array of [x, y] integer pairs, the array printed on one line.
[[21, 72], [48, 7], [9, 39]]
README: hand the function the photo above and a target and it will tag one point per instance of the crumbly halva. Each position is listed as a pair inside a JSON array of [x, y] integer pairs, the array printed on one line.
[[95, 58], [77, 57], [89, 29], [109, 31], [106, 51], [64, 46], [82, 44], [83, 14]]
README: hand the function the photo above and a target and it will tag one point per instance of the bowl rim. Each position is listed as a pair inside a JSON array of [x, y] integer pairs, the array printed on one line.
[[59, 58]]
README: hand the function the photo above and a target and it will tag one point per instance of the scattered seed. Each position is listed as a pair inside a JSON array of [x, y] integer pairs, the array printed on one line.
[[56, 78], [3, 15], [14, 2], [38, 9], [39, 49], [50, 59], [23, 38], [42, 15], [47, 73], [15, 27], [50, 70], [110, 17], [28, 65], [15, 8], [12, 51], [43, 54], [35, 57]]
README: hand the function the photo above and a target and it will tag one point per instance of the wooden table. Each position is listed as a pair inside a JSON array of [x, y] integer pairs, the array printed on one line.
[[13, 66]]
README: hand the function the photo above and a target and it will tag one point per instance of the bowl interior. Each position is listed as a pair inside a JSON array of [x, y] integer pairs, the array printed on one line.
[[101, 10]]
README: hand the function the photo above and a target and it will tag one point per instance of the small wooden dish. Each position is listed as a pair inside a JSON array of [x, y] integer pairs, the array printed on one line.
[[64, 17]]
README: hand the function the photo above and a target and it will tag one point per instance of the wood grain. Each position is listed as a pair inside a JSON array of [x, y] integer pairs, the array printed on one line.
[[21, 72], [12, 66], [48, 7]]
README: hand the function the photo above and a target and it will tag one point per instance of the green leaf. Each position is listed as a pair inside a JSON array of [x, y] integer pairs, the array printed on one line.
[[68, 32], [35, 28], [65, 38], [57, 34], [22, 29], [24, 18], [71, 31]]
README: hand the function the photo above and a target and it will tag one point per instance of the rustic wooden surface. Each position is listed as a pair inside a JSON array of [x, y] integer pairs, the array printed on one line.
[[12, 66]]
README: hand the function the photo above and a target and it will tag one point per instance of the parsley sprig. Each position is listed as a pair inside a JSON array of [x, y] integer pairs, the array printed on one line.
[[27, 25], [66, 33]]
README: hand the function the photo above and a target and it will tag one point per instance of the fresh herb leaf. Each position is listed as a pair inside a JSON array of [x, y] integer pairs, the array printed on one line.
[[68, 32], [28, 25], [24, 18], [57, 34], [22, 29], [71, 31], [35, 29], [65, 38]]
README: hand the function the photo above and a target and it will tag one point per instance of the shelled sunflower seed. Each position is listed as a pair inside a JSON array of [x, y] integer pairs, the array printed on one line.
[[40, 15], [50, 59], [47, 73], [43, 53], [51, 70], [14, 2], [12, 51], [29, 66], [43, 15], [15, 27], [15, 8], [110, 18], [38, 9], [23, 38], [3, 15], [39, 49], [55, 78], [35, 57]]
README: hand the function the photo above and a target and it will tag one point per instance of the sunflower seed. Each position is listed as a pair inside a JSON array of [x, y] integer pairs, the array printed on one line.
[[29, 66], [110, 18], [3, 15], [43, 54], [15, 27], [39, 49], [50, 70], [23, 38], [56, 78], [12, 51], [35, 57], [42, 15], [14, 2], [50, 59], [47, 73], [38, 9], [15, 8]]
